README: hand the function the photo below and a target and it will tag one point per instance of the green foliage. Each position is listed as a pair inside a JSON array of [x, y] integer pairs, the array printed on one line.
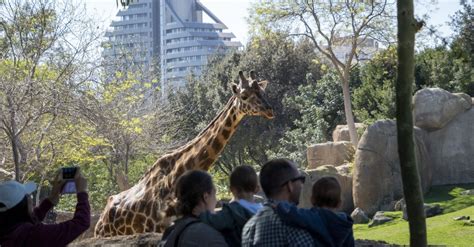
[[374, 99], [450, 68], [320, 111], [221, 180]]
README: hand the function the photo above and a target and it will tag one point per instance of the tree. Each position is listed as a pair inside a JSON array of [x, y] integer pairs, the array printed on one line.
[[331, 24], [40, 66], [407, 27], [462, 50], [450, 67], [374, 99], [120, 106], [319, 114]]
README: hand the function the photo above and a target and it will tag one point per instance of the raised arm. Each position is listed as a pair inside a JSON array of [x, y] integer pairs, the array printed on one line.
[[53, 198], [301, 217], [63, 233]]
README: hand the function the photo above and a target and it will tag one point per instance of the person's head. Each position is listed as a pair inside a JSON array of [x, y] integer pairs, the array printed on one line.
[[281, 180], [195, 193], [326, 193], [243, 181], [16, 205]]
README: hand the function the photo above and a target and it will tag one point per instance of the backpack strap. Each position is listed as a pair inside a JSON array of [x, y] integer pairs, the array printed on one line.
[[178, 234], [175, 233]]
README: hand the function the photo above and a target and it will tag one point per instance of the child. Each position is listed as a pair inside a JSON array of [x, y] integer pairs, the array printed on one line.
[[327, 226], [233, 216]]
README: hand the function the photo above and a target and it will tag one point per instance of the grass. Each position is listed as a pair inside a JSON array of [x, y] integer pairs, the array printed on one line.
[[449, 197], [442, 229]]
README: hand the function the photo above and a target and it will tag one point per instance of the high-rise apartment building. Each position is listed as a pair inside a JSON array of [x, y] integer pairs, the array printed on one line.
[[173, 32]]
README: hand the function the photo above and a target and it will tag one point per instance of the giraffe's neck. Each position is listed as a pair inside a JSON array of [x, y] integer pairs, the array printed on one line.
[[199, 153]]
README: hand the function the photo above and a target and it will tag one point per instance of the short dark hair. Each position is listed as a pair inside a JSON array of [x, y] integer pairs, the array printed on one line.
[[190, 189], [274, 174], [13, 216], [326, 193], [244, 179]]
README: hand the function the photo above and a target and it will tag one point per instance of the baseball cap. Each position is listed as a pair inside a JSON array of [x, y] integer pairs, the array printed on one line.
[[12, 192]]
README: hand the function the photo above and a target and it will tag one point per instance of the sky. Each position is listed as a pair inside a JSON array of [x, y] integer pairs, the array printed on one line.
[[234, 12]]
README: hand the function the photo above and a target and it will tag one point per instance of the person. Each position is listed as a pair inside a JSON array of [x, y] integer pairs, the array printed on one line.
[[327, 226], [231, 219], [281, 182], [20, 224], [195, 193]]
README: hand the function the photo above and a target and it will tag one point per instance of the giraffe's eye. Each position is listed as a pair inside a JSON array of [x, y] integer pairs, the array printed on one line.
[[244, 97]]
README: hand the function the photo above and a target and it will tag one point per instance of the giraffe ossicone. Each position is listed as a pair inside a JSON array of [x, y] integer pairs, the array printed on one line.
[[148, 205]]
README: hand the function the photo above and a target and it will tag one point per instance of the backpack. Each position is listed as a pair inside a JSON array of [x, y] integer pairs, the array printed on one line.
[[173, 233]]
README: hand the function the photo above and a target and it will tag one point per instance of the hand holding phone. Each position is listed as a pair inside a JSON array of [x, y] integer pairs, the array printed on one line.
[[69, 174]]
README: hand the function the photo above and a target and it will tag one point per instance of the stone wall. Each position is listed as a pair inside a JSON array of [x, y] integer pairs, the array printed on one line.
[[330, 153]]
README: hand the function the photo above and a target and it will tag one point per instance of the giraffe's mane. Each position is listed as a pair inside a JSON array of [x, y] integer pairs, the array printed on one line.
[[187, 144]]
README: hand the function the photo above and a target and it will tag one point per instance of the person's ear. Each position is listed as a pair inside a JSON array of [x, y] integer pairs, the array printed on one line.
[[205, 197], [289, 186], [234, 191]]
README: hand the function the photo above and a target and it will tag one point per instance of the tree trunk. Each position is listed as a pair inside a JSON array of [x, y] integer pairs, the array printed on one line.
[[406, 146], [14, 139], [127, 154], [16, 159], [122, 180], [348, 111]]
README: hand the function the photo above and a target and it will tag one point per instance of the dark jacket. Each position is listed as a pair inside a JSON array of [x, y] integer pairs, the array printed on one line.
[[229, 221], [327, 227], [190, 231], [28, 234]]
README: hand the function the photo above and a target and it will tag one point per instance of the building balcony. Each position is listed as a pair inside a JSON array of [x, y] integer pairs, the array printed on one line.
[[128, 31], [133, 11], [188, 54], [186, 64], [133, 21]]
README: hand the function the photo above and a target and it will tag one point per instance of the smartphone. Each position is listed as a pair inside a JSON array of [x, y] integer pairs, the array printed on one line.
[[68, 174]]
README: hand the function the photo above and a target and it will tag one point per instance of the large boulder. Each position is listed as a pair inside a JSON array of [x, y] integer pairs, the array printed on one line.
[[344, 179], [435, 107], [359, 217], [329, 153], [430, 210], [379, 219], [452, 150], [341, 132], [377, 179]]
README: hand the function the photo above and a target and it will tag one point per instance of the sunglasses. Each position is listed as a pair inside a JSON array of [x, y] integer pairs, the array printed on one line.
[[301, 178]]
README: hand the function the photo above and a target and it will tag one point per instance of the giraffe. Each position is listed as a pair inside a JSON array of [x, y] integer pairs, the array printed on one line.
[[148, 205]]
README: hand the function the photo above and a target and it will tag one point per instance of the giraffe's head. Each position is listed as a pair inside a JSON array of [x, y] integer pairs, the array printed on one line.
[[251, 96]]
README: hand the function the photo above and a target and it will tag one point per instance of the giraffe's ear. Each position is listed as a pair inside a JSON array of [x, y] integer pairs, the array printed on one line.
[[243, 81], [253, 76], [263, 84], [235, 88]]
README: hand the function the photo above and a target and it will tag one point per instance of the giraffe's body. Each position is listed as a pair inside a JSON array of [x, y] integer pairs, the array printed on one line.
[[147, 206]]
